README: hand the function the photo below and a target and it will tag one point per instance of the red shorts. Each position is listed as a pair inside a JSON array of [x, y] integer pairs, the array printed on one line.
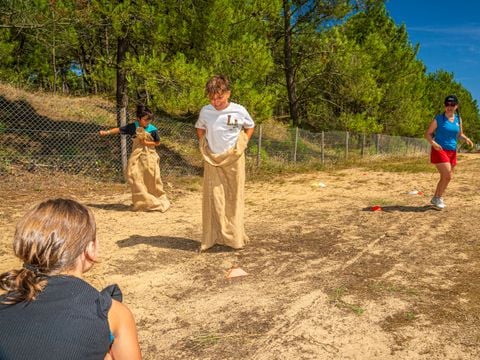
[[443, 156]]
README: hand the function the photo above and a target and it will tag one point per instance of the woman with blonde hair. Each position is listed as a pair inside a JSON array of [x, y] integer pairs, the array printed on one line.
[[48, 310]]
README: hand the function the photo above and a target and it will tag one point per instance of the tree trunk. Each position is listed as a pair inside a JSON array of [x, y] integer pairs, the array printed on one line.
[[54, 56], [121, 95], [289, 68]]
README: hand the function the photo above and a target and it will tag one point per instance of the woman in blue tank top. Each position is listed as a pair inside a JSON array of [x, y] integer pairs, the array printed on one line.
[[49, 312], [443, 133]]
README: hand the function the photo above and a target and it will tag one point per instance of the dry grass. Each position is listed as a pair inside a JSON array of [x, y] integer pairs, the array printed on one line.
[[59, 107]]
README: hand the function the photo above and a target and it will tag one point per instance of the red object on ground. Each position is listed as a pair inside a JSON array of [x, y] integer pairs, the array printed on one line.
[[376, 208]]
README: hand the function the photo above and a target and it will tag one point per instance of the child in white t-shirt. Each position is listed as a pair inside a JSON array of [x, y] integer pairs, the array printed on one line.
[[222, 121], [221, 124]]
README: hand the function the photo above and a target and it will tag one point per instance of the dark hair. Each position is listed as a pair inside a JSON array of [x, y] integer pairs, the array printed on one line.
[[451, 98], [218, 84], [48, 239], [142, 111]]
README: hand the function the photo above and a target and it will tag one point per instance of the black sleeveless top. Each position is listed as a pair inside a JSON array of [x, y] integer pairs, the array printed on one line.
[[68, 320]]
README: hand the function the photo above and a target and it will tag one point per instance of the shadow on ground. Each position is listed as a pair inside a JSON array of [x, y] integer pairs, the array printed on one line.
[[114, 207], [166, 242], [403, 208]]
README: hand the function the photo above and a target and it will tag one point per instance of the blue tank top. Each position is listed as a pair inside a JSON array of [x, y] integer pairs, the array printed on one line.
[[68, 320], [447, 132]]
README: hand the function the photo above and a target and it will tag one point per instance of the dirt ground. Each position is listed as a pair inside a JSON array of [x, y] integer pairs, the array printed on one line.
[[327, 277]]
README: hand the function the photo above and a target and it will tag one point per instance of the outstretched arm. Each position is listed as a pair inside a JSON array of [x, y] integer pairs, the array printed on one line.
[[108, 132]]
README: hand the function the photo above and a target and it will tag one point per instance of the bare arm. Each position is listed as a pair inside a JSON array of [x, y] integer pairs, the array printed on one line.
[[151, 143], [108, 132], [429, 135], [200, 133], [463, 136], [122, 324], [249, 132]]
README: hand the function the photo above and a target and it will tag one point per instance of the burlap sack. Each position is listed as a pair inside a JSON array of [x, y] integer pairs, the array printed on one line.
[[143, 175], [223, 195]]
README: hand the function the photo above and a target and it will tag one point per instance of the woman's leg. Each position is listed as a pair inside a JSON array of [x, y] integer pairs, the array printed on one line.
[[446, 174]]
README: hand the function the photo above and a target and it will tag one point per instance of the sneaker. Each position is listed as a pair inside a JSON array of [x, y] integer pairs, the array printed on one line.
[[442, 203], [437, 202]]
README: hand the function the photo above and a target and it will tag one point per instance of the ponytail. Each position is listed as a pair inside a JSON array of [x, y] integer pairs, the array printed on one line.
[[22, 285], [48, 239]]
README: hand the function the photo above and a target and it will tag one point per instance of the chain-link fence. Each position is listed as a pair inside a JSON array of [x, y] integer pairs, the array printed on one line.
[[286, 145], [31, 140], [34, 141]]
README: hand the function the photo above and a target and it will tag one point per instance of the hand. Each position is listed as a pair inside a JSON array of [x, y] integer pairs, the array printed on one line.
[[145, 142], [103, 132], [436, 146], [469, 142]]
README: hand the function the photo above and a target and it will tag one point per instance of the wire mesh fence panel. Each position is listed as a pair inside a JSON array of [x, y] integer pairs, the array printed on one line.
[[334, 147], [401, 145], [370, 145], [179, 152], [276, 144], [309, 146], [33, 141]]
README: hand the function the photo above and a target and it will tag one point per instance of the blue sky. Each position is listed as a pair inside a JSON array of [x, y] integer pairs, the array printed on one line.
[[448, 33]]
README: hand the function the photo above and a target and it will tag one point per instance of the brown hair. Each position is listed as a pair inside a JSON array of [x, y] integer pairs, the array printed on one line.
[[48, 239], [218, 84], [142, 111]]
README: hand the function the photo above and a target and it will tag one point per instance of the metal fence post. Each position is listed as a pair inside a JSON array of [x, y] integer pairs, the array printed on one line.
[[259, 145], [322, 148], [123, 140], [295, 148], [346, 145], [362, 150]]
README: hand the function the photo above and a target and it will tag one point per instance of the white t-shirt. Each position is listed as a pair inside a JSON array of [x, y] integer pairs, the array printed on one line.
[[223, 127]]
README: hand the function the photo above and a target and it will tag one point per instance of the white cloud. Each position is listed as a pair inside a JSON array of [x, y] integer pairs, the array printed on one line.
[[464, 30]]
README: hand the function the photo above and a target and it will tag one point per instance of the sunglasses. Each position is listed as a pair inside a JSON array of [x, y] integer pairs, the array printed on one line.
[[450, 104]]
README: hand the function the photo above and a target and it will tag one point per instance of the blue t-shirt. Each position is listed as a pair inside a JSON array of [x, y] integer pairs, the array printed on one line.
[[131, 129], [447, 132]]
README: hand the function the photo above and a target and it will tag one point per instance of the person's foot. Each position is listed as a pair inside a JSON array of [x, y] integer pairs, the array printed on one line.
[[203, 248], [438, 203]]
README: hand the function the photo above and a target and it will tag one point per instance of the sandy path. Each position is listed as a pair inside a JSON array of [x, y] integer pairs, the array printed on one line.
[[328, 278]]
